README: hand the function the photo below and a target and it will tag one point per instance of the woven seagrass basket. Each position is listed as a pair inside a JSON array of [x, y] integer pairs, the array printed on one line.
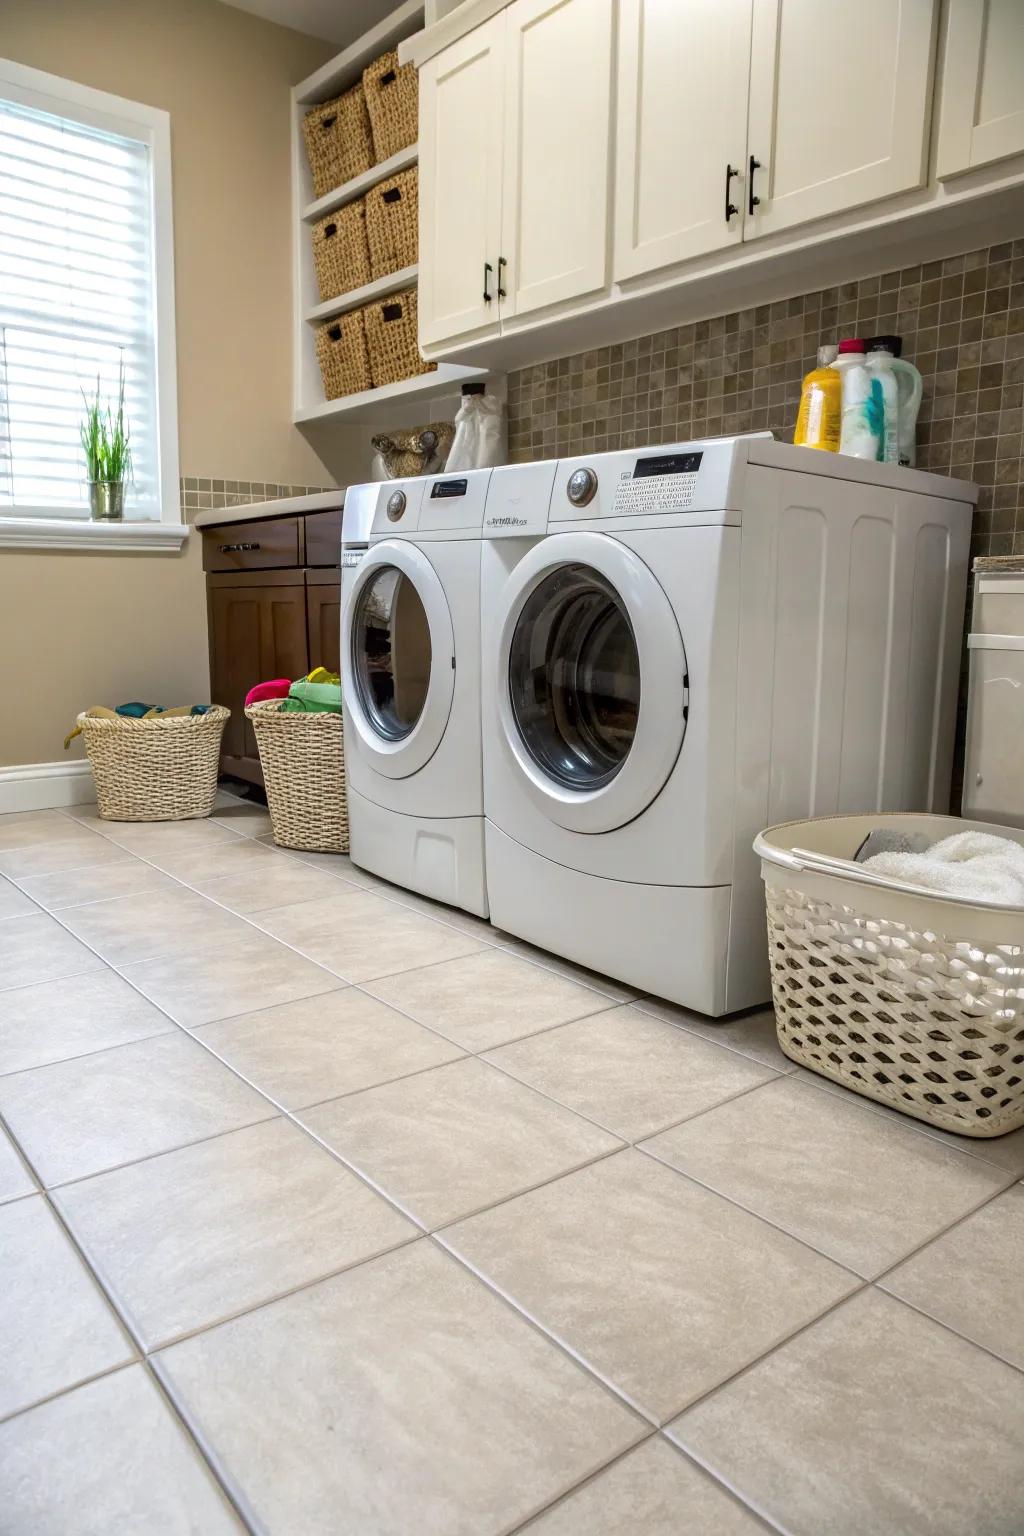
[[905, 996], [392, 100], [342, 354], [303, 761], [338, 140], [341, 254], [158, 769], [392, 223], [391, 336]]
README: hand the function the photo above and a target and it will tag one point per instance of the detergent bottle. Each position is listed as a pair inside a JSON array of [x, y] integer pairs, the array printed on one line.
[[883, 355], [820, 416], [863, 426]]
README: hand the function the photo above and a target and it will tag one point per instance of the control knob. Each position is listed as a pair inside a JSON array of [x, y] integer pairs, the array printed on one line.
[[582, 487], [395, 506]]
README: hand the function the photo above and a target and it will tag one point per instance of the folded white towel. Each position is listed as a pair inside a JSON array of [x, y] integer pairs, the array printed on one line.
[[974, 865]]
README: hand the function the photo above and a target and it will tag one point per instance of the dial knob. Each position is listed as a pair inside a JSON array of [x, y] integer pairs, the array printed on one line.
[[395, 506], [582, 487]]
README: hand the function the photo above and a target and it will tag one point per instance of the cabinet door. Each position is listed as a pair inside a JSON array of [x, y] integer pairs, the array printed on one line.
[[460, 186], [682, 122], [557, 149], [323, 620], [981, 118], [257, 631], [840, 98]]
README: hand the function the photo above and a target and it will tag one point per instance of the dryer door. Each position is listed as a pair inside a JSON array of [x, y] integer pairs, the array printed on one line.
[[398, 658], [592, 682]]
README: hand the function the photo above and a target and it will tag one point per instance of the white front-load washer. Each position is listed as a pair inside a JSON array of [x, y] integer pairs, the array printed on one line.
[[410, 661], [681, 646]]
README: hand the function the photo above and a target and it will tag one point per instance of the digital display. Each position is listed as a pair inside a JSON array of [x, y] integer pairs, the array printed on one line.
[[443, 488], [668, 464]]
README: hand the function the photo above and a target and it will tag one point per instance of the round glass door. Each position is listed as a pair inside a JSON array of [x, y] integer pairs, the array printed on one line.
[[574, 678], [391, 653]]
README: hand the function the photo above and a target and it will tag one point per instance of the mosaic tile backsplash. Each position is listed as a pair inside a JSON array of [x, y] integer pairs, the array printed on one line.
[[198, 495], [962, 323]]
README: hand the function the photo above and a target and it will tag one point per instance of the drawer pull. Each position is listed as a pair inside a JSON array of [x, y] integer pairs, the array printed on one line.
[[752, 201], [236, 549]]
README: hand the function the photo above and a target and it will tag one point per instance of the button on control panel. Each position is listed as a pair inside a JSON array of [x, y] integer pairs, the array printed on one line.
[[396, 506], [582, 487]]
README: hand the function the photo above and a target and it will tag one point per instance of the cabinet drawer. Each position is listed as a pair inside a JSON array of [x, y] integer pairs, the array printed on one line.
[[323, 538], [251, 546]]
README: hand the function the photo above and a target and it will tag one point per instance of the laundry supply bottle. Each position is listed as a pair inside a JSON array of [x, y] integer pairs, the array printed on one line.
[[883, 354], [863, 427], [819, 420], [878, 360]]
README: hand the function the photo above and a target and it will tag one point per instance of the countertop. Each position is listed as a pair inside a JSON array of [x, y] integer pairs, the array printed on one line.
[[287, 506]]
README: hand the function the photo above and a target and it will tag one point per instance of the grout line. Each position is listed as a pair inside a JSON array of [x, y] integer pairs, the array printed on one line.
[[948, 1327], [234, 1497], [524, 1526]]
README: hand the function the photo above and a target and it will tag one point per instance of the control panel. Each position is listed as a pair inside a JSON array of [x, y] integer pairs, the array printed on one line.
[[687, 478]]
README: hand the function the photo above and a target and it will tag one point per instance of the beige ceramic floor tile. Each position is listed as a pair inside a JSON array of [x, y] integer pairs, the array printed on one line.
[[13, 903], [144, 927], [857, 1187], [80, 1117], [213, 984], [456, 1139], [243, 816], [38, 949], [360, 936], [753, 1034], [321, 1047], [970, 1278], [54, 1020], [616, 990], [15, 1179], [151, 839], [651, 1491], [109, 1459], [422, 1402], [76, 848], [23, 829], [485, 999], [874, 1420], [280, 883], [629, 1072], [661, 1287], [187, 1239], [455, 917], [199, 866], [337, 864], [120, 875], [56, 1330]]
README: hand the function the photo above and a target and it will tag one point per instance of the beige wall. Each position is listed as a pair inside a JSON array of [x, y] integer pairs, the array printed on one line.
[[80, 629]]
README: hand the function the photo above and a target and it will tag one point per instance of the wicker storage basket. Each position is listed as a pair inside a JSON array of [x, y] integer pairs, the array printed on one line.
[[391, 332], [911, 998], [392, 223], [303, 761], [338, 140], [155, 770], [342, 354], [341, 254], [392, 100]]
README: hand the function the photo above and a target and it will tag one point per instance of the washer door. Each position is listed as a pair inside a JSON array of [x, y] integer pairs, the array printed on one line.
[[592, 682], [398, 650]]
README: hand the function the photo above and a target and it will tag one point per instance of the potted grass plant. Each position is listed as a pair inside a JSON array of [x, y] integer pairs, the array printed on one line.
[[108, 455]]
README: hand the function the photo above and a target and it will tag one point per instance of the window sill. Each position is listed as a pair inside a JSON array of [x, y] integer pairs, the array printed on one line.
[[80, 534]]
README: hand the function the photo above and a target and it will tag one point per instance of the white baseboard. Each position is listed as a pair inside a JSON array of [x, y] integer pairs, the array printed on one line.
[[45, 786]]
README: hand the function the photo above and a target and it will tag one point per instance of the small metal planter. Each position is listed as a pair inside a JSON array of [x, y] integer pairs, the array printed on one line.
[[106, 501]]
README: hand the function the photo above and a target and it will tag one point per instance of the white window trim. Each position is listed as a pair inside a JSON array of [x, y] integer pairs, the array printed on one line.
[[66, 98]]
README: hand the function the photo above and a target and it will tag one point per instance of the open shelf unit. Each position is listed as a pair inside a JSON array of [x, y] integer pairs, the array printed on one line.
[[394, 281]]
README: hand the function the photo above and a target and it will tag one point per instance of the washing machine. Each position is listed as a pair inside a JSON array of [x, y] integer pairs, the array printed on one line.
[[681, 646], [410, 659]]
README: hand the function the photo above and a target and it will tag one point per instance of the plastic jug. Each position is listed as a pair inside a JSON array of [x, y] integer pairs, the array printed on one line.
[[819, 421], [863, 427], [883, 354]]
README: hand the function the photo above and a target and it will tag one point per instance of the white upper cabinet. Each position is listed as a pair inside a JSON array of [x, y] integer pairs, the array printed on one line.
[[981, 116], [682, 127], [840, 94], [557, 149], [460, 186]]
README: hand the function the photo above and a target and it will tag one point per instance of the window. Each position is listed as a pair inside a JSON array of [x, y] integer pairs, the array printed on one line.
[[86, 291]]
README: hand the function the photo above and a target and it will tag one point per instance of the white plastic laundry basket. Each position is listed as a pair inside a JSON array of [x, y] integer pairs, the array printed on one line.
[[907, 996]]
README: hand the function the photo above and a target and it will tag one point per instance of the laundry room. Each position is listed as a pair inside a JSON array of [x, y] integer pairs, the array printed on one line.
[[511, 790]]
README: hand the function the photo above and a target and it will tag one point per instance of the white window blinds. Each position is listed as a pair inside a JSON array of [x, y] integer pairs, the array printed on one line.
[[77, 299]]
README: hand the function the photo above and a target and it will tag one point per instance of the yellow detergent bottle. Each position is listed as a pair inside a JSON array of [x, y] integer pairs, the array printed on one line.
[[820, 417]]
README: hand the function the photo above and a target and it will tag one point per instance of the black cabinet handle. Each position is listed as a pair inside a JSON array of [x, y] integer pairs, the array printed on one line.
[[752, 201], [730, 206], [502, 263], [236, 549], [488, 269]]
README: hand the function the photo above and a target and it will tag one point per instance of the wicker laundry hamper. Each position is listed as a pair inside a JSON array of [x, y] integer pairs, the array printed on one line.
[[341, 254], [158, 769], [391, 336], [392, 223], [907, 996], [343, 356], [392, 100], [338, 140], [303, 761]]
